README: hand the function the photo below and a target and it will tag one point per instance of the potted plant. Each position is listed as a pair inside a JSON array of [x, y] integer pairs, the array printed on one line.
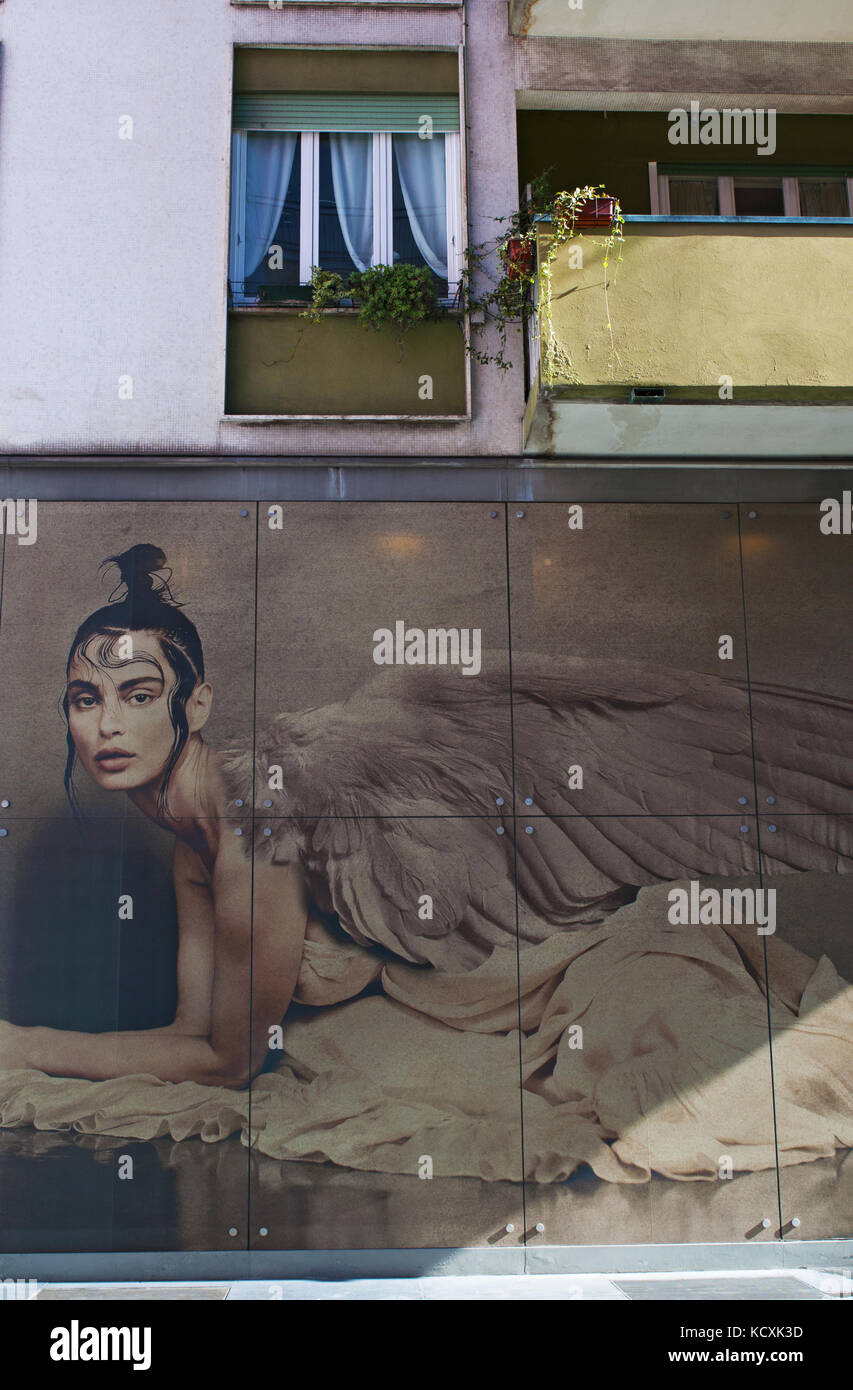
[[388, 296], [595, 212]]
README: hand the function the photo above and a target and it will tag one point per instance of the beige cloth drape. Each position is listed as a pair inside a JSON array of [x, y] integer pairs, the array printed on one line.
[[643, 1048]]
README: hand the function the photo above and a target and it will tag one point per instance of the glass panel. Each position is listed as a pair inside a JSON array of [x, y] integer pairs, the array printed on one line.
[[798, 589], [759, 198], [90, 922], [279, 264], [824, 198], [388, 1109], [629, 660], [390, 616], [694, 197], [655, 1068]]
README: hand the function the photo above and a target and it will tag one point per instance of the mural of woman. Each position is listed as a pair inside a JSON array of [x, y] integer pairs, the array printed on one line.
[[495, 943]]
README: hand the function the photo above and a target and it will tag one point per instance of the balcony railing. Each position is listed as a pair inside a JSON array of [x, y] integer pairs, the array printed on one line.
[[739, 309]]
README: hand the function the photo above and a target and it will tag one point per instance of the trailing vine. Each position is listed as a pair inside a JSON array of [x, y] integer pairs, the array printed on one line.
[[509, 300]]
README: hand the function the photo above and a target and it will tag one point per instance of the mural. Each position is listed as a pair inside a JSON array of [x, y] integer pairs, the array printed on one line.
[[370, 867]]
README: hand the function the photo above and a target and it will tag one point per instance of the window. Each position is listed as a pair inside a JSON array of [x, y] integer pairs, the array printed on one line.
[[744, 194], [343, 181]]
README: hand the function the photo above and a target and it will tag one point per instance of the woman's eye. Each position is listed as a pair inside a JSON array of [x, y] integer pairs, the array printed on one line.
[[141, 697], [84, 702]]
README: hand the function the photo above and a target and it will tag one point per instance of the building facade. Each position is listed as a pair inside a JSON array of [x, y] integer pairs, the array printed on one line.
[[601, 498]]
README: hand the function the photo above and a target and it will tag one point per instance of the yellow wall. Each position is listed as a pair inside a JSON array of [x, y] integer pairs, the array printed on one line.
[[767, 305]]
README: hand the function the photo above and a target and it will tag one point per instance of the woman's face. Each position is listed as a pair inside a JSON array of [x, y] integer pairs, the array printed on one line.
[[118, 709]]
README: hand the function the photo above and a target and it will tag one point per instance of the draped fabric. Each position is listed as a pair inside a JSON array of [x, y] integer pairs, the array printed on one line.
[[269, 163], [352, 180], [421, 167], [673, 1070]]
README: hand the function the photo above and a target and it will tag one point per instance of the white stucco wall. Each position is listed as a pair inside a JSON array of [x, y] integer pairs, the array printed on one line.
[[113, 252]]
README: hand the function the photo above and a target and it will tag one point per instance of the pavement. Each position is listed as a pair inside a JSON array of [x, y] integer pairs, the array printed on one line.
[[718, 1285]]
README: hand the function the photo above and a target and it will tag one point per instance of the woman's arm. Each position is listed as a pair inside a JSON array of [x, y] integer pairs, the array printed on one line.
[[254, 977]]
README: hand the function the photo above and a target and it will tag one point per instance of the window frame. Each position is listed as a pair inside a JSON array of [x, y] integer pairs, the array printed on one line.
[[309, 209], [660, 201]]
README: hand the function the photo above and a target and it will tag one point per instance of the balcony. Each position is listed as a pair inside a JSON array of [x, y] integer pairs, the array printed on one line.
[[281, 366], [778, 20], [724, 314]]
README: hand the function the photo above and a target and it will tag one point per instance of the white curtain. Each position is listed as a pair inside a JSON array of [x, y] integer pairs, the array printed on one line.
[[420, 164], [269, 163], [352, 181]]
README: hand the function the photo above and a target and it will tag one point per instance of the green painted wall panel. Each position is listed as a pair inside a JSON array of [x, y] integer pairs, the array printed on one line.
[[278, 364]]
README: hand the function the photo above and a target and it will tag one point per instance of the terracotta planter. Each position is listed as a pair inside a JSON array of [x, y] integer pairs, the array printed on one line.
[[519, 257], [596, 212]]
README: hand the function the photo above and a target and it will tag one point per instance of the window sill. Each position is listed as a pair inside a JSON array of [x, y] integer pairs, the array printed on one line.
[[299, 306], [306, 419]]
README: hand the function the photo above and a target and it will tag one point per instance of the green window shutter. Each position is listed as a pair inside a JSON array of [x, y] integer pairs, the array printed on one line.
[[343, 111]]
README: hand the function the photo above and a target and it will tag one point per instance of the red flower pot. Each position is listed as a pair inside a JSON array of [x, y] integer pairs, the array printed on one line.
[[595, 212], [519, 257]]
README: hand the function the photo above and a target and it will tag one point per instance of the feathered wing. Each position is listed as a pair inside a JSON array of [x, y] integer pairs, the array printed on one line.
[[391, 798]]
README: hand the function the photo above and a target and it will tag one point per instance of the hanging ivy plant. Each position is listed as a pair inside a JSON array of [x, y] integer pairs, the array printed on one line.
[[508, 301]]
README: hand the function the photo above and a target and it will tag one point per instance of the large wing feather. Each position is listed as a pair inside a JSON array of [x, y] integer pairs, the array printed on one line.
[[372, 788]]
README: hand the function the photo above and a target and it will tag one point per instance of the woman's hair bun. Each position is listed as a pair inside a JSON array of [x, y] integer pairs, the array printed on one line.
[[139, 568]]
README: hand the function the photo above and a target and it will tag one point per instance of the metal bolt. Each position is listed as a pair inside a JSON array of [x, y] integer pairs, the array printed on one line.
[[267, 830], [3, 832], [753, 515], [509, 1228], [5, 802], [528, 830], [741, 800], [232, 1231], [540, 1226], [263, 1231], [268, 802], [499, 801], [238, 831], [244, 512], [238, 803], [528, 801], [771, 828], [795, 1221], [500, 830], [771, 801], [519, 515], [727, 515], [492, 514], [766, 1223], [744, 829]]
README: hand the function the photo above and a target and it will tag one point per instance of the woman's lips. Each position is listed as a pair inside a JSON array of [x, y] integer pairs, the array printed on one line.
[[116, 760]]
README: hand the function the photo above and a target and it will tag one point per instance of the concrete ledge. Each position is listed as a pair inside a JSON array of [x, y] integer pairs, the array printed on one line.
[[388, 1264]]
